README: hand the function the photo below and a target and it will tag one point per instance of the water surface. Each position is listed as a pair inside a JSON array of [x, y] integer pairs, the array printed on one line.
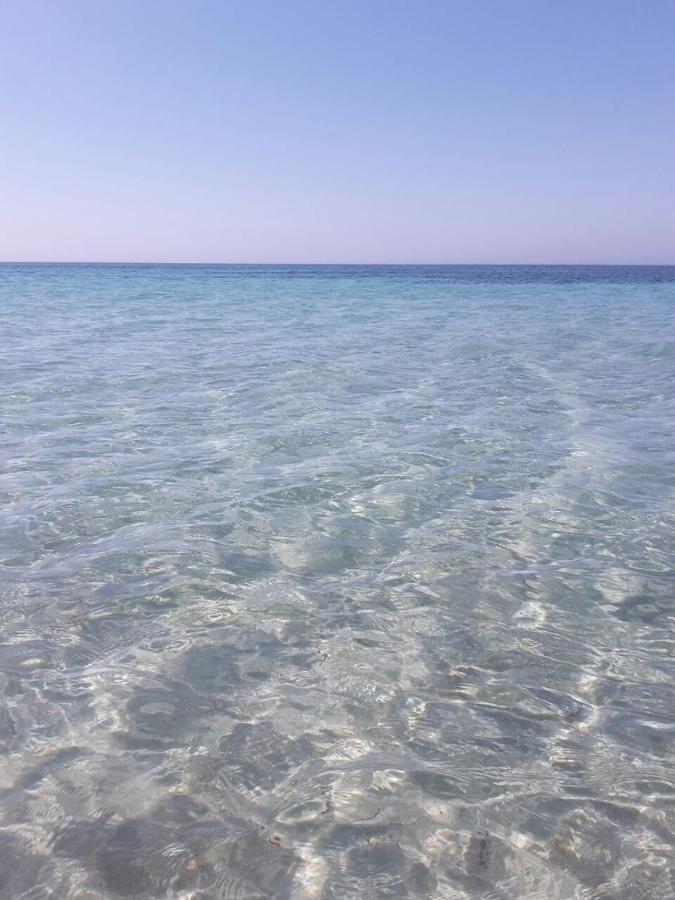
[[336, 582]]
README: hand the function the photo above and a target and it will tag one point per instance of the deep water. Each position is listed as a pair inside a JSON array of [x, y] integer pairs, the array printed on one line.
[[337, 582]]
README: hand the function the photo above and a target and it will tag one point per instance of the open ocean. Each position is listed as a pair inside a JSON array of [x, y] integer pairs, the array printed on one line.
[[337, 582]]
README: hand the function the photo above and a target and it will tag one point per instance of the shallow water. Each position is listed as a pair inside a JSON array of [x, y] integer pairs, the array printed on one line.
[[330, 582]]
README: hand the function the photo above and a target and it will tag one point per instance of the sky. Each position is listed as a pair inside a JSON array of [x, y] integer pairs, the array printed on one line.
[[362, 131]]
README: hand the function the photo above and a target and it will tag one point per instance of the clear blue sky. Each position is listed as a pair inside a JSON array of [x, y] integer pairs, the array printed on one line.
[[351, 131]]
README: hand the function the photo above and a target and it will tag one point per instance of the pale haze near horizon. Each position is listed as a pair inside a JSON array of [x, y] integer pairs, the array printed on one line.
[[455, 132]]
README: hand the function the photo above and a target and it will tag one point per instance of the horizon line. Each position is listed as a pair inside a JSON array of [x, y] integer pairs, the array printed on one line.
[[150, 262]]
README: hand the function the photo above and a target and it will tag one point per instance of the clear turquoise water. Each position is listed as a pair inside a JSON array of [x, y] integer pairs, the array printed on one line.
[[327, 582]]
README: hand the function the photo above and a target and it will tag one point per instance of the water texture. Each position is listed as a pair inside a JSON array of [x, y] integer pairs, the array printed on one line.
[[332, 582]]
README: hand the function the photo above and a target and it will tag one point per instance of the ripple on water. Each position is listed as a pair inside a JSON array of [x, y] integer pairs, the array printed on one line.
[[336, 583]]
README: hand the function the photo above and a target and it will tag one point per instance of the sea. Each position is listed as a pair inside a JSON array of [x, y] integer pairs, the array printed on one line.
[[337, 582]]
